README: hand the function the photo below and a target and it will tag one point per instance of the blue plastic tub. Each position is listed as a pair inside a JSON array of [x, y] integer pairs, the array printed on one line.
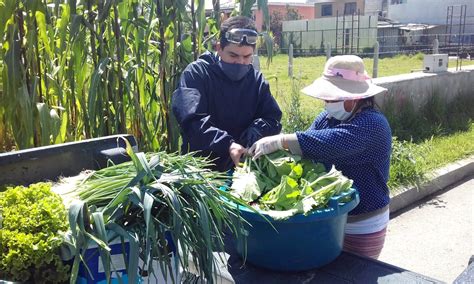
[[300, 242], [96, 273]]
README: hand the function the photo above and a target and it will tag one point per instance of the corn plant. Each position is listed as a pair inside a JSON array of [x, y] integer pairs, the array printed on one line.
[[81, 69]]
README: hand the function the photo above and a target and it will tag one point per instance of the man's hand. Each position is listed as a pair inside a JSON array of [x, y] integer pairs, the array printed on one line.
[[266, 145], [236, 151]]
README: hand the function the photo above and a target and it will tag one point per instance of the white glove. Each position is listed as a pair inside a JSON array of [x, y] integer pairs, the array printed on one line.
[[266, 145]]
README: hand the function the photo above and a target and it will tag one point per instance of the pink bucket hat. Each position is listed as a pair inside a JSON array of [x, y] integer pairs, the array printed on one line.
[[344, 78]]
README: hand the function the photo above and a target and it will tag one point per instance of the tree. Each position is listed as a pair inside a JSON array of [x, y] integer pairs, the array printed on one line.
[[292, 14], [276, 21]]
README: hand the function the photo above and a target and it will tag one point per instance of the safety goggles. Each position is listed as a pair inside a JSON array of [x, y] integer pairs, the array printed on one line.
[[241, 36]]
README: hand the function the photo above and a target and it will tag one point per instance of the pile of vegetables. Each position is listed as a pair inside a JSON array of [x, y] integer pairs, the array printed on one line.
[[282, 184], [148, 201], [31, 225]]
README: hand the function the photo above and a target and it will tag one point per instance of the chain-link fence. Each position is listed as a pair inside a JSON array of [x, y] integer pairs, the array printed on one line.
[[391, 42], [356, 34]]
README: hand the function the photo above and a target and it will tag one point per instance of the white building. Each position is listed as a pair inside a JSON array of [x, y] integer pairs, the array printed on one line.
[[426, 11], [454, 18], [376, 7]]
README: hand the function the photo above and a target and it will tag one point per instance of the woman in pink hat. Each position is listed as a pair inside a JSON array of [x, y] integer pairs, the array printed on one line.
[[355, 137]]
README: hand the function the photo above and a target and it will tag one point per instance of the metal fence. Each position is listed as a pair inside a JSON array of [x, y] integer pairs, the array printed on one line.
[[391, 42], [357, 34]]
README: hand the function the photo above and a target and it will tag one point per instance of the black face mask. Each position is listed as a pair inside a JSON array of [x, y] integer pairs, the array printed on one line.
[[234, 71]]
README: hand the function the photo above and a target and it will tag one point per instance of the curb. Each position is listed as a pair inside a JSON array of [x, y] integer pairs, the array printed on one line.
[[441, 179]]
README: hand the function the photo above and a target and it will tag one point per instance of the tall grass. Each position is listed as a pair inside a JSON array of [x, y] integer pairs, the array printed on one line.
[[437, 116], [80, 69], [436, 133]]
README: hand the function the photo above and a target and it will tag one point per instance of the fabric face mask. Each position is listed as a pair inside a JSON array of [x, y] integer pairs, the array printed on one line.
[[234, 71], [337, 111]]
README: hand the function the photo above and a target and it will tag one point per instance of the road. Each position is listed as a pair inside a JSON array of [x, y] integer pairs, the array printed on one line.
[[434, 237]]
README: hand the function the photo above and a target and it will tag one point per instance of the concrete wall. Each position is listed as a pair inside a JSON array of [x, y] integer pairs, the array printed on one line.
[[419, 86], [309, 34]]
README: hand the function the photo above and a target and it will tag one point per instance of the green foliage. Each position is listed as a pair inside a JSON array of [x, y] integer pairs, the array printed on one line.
[[367, 50], [419, 56], [282, 184], [295, 119], [276, 19], [33, 218], [436, 116], [414, 129], [447, 149], [407, 164], [292, 13]]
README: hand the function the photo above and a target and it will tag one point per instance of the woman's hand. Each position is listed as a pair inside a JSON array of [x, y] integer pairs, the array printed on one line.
[[266, 145]]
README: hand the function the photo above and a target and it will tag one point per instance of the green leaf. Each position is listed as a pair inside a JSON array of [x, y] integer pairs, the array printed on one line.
[[63, 124], [43, 35], [95, 102], [101, 232], [45, 123], [284, 196], [7, 8]]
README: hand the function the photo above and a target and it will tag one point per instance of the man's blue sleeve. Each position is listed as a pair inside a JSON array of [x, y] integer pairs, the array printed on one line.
[[190, 107], [267, 119]]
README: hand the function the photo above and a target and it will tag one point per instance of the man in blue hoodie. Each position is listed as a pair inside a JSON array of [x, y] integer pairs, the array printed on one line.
[[222, 104]]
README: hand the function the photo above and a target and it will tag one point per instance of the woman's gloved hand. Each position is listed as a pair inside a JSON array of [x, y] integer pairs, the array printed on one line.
[[266, 145]]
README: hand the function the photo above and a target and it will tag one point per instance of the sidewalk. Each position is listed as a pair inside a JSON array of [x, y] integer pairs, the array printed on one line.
[[434, 235]]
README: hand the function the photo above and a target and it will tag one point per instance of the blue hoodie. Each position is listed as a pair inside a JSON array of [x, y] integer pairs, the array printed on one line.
[[214, 111]]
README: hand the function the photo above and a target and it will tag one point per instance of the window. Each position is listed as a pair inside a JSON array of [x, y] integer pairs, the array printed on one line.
[[326, 10], [350, 8]]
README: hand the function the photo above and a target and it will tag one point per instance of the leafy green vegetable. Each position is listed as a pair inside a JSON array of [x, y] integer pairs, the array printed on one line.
[[284, 195], [245, 184], [31, 235], [287, 184]]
